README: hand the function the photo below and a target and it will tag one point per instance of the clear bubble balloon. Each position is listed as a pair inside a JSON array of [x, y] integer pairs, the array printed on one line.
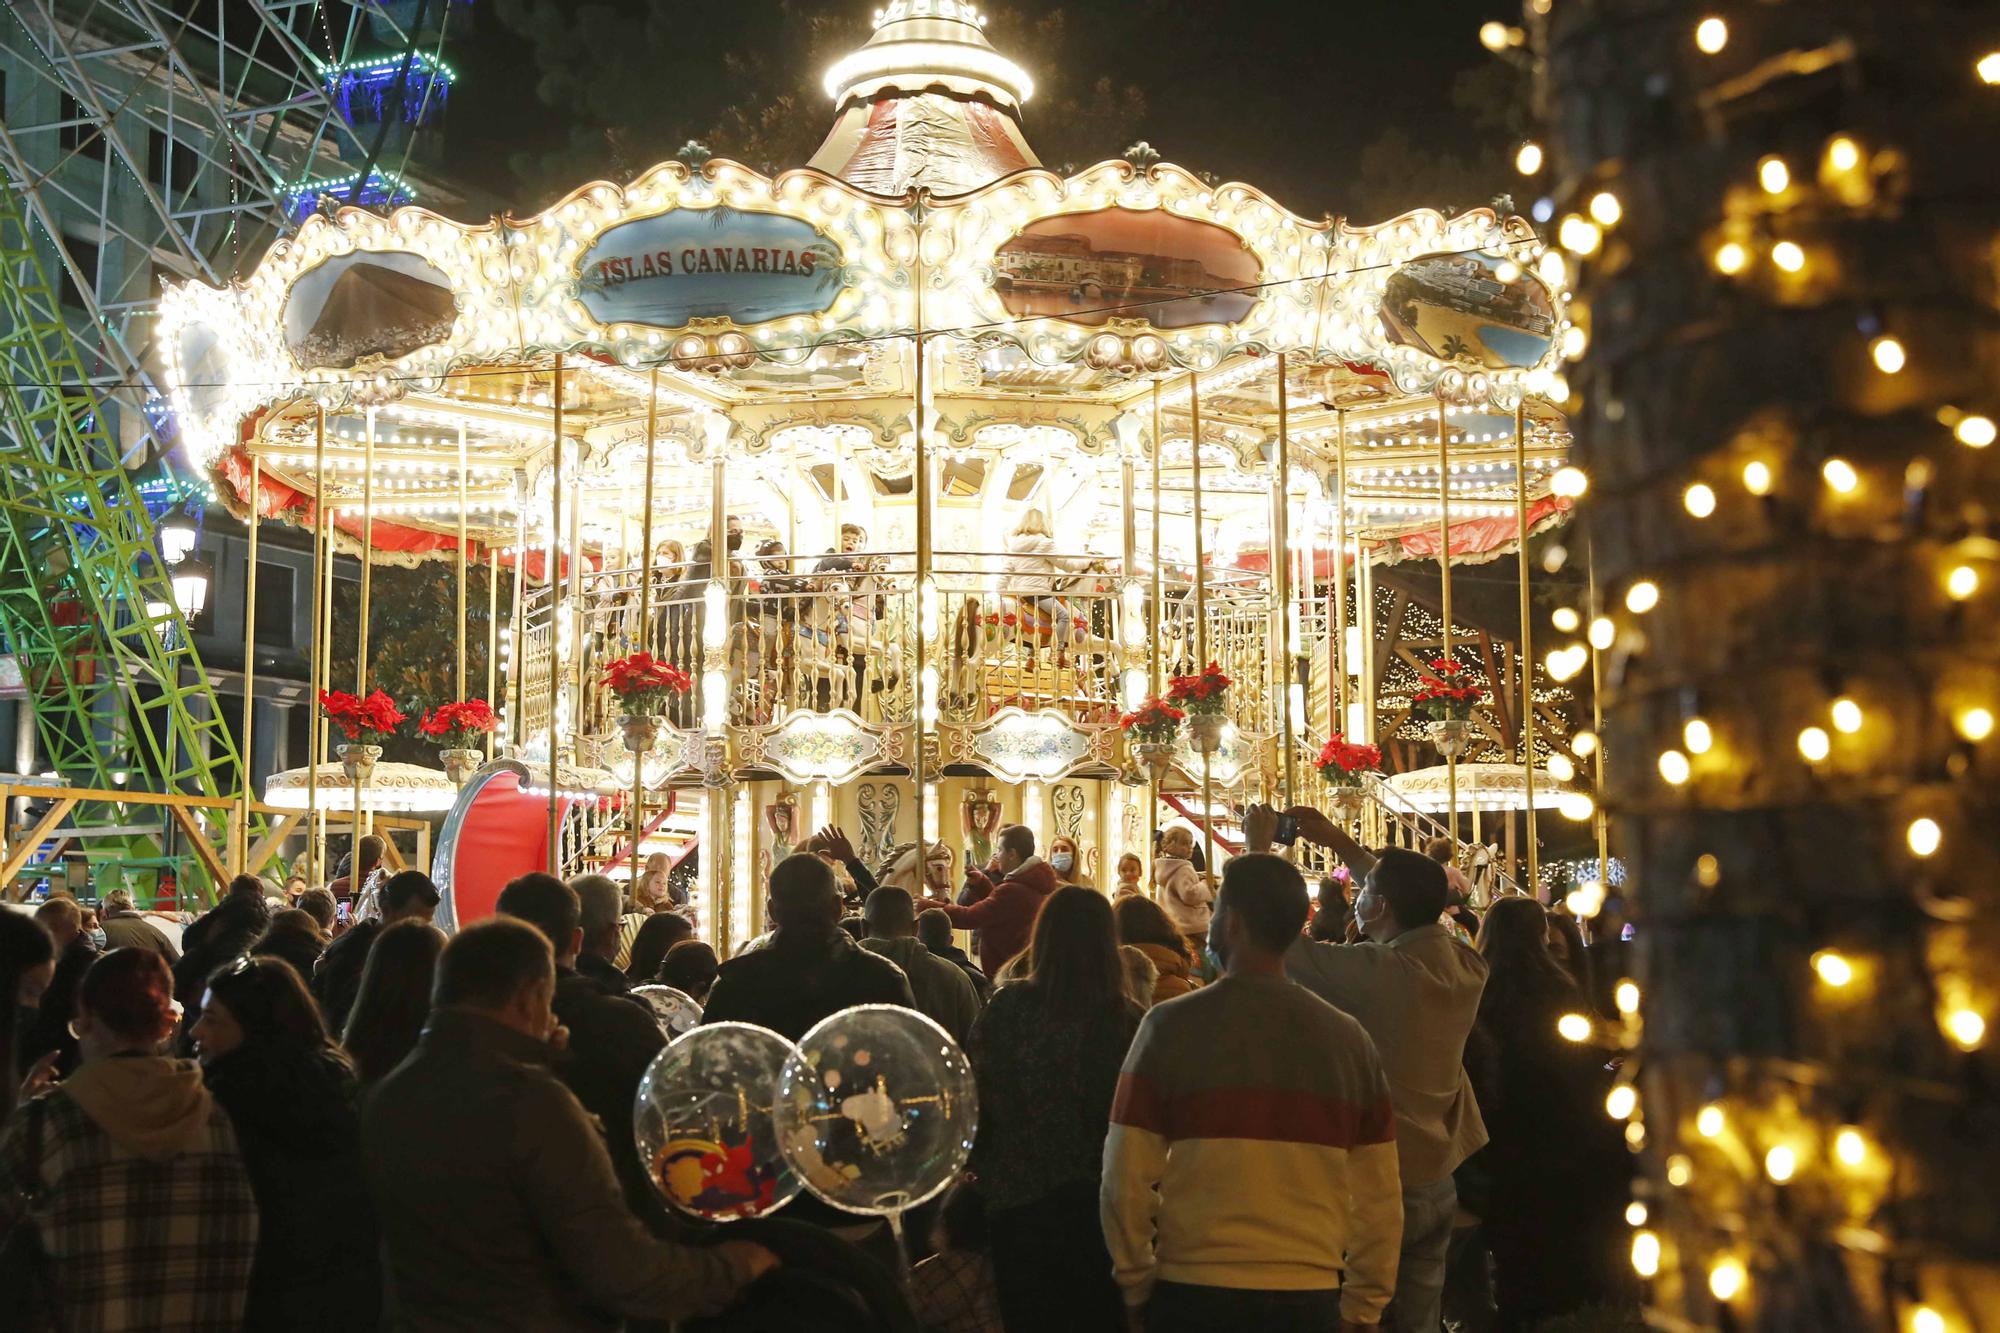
[[674, 1010], [702, 1122], [876, 1109]]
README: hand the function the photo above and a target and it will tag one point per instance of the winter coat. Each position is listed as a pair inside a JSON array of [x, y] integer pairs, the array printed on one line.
[[301, 951], [612, 1039], [1033, 569], [336, 979], [1183, 893], [224, 934], [499, 1207], [798, 979], [1176, 971], [317, 1265], [943, 994], [131, 930], [1004, 913], [956, 956]]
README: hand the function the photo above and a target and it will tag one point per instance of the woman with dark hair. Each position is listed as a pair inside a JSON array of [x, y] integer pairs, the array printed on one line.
[[129, 1171], [293, 935], [1557, 1165], [394, 1001], [659, 933], [289, 1091], [690, 968], [1143, 924], [1566, 947], [1047, 1051], [27, 964]]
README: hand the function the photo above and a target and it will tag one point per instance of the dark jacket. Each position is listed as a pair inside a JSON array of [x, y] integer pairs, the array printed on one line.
[[336, 979], [956, 956], [943, 994], [796, 980], [301, 951], [605, 973], [612, 1039], [1005, 915], [499, 1207], [317, 1265], [50, 1030], [222, 935], [131, 930]]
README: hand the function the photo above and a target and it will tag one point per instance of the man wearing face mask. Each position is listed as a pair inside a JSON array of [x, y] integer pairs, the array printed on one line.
[[1416, 990]]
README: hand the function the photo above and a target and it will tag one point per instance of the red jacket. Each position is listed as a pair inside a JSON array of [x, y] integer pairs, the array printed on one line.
[[1004, 914]]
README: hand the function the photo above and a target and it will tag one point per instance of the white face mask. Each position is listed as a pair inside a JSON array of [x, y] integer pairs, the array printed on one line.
[[1063, 862]]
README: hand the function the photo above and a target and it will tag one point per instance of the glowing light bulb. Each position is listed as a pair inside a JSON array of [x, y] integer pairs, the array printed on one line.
[[1976, 432], [1966, 1028], [1850, 1147], [1674, 767], [1635, 1214], [1840, 474], [1757, 477], [1575, 343], [1774, 175], [1528, 159], [1833, 968], [1923, 1319], [1707, 870], [1781, 1163], [1680, 1170], [1815, 744], [1924, 836], [1697, 736], [1711, 35], [1579, 235], [1573, 1027], [1962, 582], [1569, 481], [1699, 499], [1622, 1101], [1708, 1122], [1888, 354], [1603, 633], [1560, 768], [1646, 1254], [1627, 997], [1975, 724], [1635, 1136], [1583, 744], [1494, 35], [1788, 256], [1847, 717], [1642, 597], [1605, 208], [1988, 67], [1843, 154], [1731, 257], [1726, 1279], [1565, 619]]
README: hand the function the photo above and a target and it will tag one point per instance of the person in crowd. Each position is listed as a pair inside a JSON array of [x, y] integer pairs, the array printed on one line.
[[1566, 948], [602, 902], [126, 928], [222, 934], [690, 967], [662, 931], [325, 912], [27, 965], [408, 895], [294, 886], [934, 929], [942, 992], [129, 1171], [1131, 873], [1066, 859], [50, 1033], [952, 1291], [1143, 925], [355, 879], [832, 846], [612, 1038], [294, 936], [1440, 850], [1004, 911], [1558, 1166], [1036, 574], [290, 1094], [1416, 990], [393, 1001], [1250, 1174], [654, 891], [510, 1217], [1046, 1051], [1182, 889], [1142, 978], [93, 929]]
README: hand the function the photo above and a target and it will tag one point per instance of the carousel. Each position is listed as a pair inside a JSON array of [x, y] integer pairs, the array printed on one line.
[[917, 490]]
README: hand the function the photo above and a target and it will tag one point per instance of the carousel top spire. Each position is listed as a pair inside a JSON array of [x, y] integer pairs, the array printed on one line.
[[926, 103]]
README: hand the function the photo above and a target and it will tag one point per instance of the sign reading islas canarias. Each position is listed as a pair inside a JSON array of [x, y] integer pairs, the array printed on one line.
[[708, 263]]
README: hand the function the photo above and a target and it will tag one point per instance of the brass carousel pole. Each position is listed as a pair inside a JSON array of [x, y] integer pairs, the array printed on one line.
[[518, 620], [1527, 650], [322, 727], [492, 634], [1281, 590], [926, 595], [1596, 715], [459, 677], [555, 572], [1201, 627], [317, 651], [644, 638], [240, 842], [1444, 598], [1337, 581], [361, 644], [1159, 632]]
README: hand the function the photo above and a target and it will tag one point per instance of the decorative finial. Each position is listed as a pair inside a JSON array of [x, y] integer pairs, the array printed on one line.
[[694, 152], [1142, 154]]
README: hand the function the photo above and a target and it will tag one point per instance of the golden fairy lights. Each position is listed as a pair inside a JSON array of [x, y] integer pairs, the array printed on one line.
[[1528, 158], [1961, 582], [1757, 477], [1711, 35], [1699, 499], [1833, 968]]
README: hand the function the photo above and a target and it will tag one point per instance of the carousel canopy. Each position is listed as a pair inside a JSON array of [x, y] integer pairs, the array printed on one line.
[[1480, 787]]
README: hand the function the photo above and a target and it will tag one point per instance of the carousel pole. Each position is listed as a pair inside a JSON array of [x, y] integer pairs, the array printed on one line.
[[1596, 713], [555, 618], [1336, 692], [492, 633], [1201, 626], [1526, 655], [361, 822], [579, 638], [927, 683], [240, 842], [718, 824], [1444, 599], [317, 650], [1159, 630], [644, 637], [1281, 591], [518, 620], [459, 678], [322, 727]]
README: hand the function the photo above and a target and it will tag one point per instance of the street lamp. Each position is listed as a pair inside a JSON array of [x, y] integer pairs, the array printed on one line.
[[191, 578], [177, 539]]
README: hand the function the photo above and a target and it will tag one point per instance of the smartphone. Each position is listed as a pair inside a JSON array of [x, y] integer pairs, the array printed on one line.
[[340, 913], [1288, 830]]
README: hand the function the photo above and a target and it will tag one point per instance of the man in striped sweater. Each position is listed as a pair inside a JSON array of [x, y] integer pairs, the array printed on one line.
[[1250, 1174]]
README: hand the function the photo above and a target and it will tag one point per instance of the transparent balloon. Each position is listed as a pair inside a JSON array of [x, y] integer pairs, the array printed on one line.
[[876, 1109], [674, 1010], [702, 1122]]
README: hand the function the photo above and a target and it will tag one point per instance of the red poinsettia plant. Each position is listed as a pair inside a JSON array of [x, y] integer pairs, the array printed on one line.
[[361, 720], [1203, 694], [1446, 691], [644, 684], [1342, 762], [1153, 721], [455, 726]]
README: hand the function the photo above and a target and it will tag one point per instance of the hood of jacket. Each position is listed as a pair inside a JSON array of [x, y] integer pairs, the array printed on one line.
[[903, 951], [148, 1105], [1034, 874], [1169, 962]]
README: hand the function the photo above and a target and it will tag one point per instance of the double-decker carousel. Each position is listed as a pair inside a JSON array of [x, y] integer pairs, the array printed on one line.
[[922, 466]]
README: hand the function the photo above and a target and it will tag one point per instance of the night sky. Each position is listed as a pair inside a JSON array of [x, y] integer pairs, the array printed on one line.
[[1286, 96]]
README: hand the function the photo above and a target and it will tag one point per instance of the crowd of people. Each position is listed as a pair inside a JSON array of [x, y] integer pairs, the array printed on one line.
[[1218, 1102]]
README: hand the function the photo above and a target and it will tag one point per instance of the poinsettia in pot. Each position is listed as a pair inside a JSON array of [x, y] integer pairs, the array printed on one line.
[[1447, 695], [365, 722], [1204, 697], [1345, 765], [1149, 729], [456, 727], [645, 686]]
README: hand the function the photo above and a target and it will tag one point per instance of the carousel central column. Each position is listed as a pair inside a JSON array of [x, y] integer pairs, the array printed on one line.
[[715, 804]]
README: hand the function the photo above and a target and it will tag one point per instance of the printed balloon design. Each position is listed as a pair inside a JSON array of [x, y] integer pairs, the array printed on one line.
[[702, 1122]]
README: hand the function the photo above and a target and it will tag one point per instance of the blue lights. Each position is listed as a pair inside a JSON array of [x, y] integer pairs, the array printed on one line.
[[383, 188], [360, 89]]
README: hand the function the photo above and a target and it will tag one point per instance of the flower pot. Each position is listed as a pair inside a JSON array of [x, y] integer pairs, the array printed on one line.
[[357, 760], [1156, 756], [1347, 799], [1451, 735], [1204, 731], [461, 764], [641, 730]]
